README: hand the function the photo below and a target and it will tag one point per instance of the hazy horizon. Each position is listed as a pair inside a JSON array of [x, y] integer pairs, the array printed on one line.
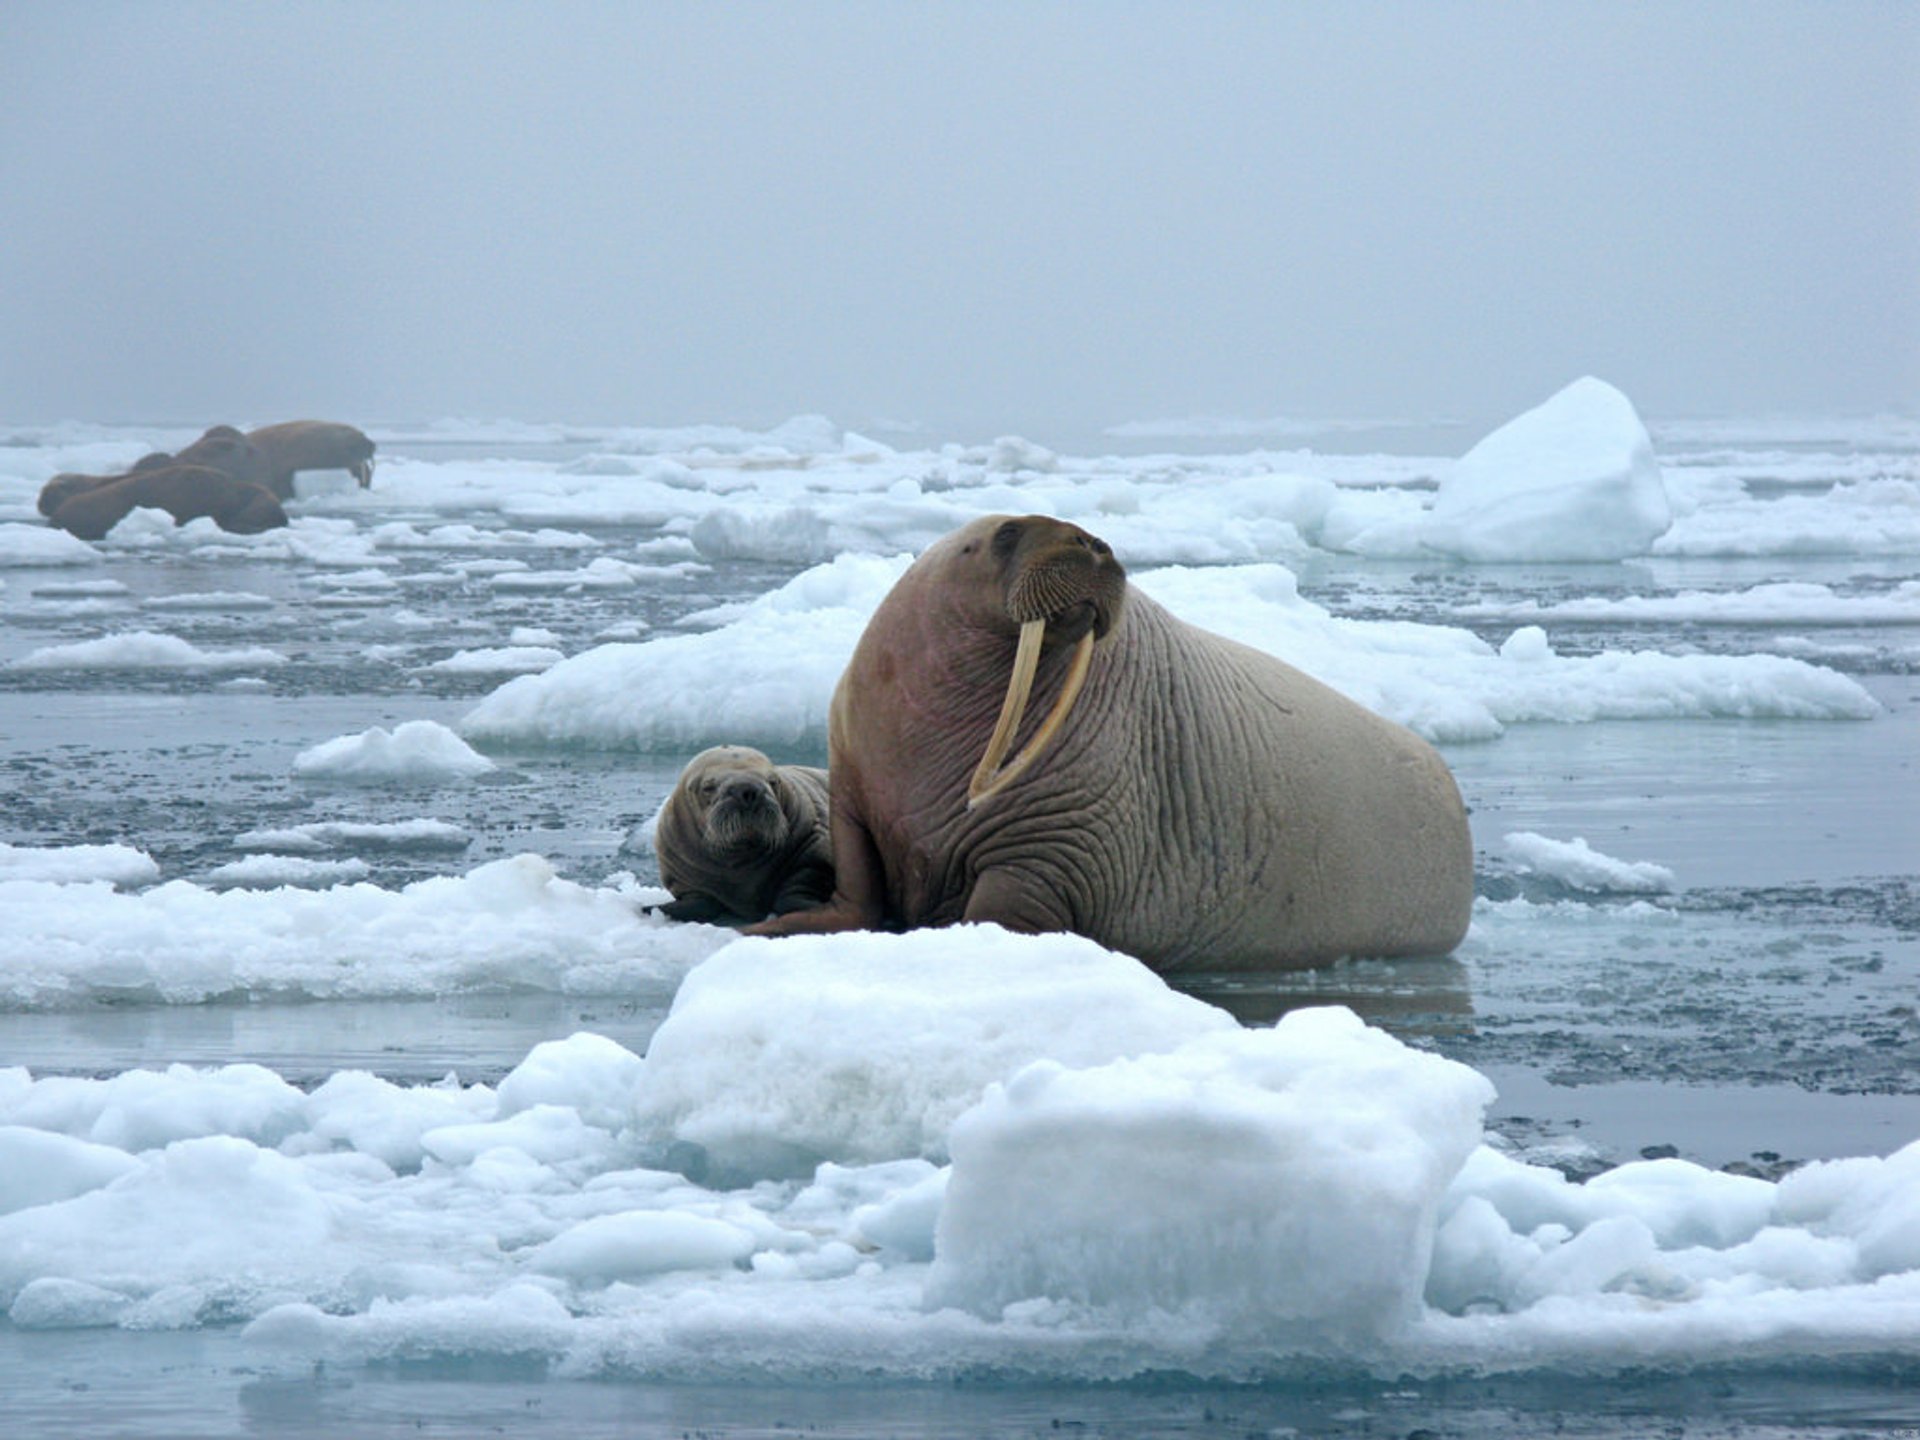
[[988, 218]]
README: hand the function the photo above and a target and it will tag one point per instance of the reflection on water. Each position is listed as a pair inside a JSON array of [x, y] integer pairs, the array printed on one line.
[[208, 1383], [1418, 997]]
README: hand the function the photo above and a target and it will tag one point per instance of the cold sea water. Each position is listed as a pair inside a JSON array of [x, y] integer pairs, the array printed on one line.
[[1734, 981]]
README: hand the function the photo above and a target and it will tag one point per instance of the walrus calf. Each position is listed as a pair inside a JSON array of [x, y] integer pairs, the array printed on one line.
[[741, 838], [296, 445], [1185, 799], [186, 492]]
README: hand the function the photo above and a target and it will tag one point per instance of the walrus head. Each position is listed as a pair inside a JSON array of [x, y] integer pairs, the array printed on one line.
[[1060, 585], [734, 795]]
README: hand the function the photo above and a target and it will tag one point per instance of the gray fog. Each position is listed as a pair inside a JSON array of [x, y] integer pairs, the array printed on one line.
[[1048, 218]]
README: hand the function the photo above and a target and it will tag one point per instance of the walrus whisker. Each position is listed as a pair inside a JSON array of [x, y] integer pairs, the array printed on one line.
[[1026, 660], [1056, 717]]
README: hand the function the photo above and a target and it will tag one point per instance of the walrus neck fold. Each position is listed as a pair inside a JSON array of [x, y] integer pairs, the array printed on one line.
[[990, 777]]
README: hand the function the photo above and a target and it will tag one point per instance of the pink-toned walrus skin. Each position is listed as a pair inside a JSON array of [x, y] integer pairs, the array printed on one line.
[[1203, 805]]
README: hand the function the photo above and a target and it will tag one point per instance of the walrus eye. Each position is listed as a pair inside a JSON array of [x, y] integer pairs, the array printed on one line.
[[1006, 539]]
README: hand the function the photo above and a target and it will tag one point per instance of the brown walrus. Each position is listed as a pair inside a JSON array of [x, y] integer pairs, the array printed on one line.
[[64, 487], [225, 449], [186, 492], [1186, 799], [296, 445], [741, 838]]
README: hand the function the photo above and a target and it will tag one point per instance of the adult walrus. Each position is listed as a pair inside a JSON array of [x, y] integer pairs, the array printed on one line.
[[225, 449], [741, 838], [296, 445], [63, 487], [186, 492], [1186, 799]]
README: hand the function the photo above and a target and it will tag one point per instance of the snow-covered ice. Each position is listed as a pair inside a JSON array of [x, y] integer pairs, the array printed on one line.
[[887, 1158], [418, 752], [1576, 863], [1574, 479]]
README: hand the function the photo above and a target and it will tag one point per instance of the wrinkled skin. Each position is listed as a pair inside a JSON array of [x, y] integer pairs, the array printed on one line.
[[186, 492], [1203, 806], [741, 838], [296, 445]]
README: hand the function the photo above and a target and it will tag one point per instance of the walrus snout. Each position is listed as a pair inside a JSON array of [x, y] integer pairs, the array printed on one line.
[[743, 811], [1064, 586]]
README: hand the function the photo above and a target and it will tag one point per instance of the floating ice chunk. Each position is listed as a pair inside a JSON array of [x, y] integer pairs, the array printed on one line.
[[379, 1118], [144, 650], [1574, 862], [512, 923], [597, 1078], [32, 546], [498, 660], [1785, 602], [1874, 1203], [205, 1223], [415, 752], [80, 590], [768, 675], [343, 834], [209, 600], [1011, 454], [864, 1047], [1868, 517], [265, 872], [544, 1133], [38, 1167], [70, 864], [1573, 479], [146, 1109], [51, 1303], [1285, 1182], [639, 1243]]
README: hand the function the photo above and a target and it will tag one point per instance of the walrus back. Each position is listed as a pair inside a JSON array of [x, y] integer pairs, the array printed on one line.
[[1291, 825]]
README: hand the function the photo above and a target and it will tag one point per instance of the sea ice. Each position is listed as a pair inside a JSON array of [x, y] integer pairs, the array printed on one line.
[[1574, 862], [67, 864], [859, 1048], [418, 752], [1573, 479], [144, 650]]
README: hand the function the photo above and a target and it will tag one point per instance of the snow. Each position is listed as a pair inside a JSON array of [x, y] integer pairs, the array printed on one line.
[[1574, 862], [417, 752], [1574, 479]]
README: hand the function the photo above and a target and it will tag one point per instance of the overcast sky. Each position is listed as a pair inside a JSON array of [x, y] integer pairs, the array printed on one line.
[[980, 217]]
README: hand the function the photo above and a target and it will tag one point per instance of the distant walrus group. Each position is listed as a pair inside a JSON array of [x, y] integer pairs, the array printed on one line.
[[236, 480]]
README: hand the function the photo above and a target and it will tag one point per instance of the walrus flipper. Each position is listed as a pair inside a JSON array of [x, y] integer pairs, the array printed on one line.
[[702, 909]]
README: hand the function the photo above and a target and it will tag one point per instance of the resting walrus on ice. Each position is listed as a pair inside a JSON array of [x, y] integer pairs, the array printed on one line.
[[741, 838], [1185, 799]]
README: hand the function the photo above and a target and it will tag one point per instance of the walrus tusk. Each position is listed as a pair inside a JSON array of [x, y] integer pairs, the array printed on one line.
[[989, 778]]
